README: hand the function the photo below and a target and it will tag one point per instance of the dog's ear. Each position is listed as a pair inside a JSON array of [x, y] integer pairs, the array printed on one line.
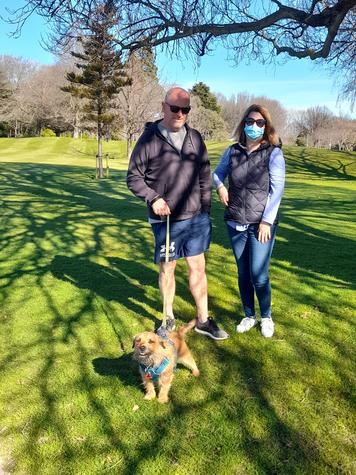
[[134, 341]]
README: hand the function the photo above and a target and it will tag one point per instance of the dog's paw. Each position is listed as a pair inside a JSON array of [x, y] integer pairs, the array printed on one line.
[[163, 399], [196, 373], [149, 396]]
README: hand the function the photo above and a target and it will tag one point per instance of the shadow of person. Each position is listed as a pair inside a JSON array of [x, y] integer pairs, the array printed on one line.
[[124, 368]]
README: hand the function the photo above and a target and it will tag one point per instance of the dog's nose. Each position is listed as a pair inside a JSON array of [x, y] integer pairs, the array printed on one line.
[[142, 347]]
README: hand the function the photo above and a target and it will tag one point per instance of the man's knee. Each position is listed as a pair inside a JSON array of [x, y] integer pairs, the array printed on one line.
[[196, 265], [167, 267]]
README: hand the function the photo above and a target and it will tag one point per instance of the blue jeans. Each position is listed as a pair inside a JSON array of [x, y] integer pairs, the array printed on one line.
[[252, 259]]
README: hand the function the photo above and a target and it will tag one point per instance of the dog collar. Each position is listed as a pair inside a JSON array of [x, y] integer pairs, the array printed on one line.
[[153, 373]]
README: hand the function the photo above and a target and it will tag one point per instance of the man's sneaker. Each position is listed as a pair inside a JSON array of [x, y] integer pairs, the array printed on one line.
[[267, 327], [211, 329], [246, 324]]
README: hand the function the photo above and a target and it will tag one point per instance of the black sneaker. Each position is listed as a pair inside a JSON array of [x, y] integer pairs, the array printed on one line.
[[211, 329], [169, 327]]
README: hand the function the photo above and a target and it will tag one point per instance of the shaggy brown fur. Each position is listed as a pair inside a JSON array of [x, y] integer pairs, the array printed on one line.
[[150, 350]]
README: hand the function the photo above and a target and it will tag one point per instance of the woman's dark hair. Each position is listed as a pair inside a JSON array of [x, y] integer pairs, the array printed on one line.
[[270, 135]]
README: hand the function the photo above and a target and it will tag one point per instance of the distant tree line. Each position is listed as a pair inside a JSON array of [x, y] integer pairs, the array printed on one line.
[[33, 103], [316, 126]]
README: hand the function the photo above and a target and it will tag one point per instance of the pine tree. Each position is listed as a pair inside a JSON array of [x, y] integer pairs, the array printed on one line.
[[207, 98], [102, 73]]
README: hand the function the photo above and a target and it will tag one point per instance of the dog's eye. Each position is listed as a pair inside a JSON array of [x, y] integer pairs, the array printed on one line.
[[151, 341]]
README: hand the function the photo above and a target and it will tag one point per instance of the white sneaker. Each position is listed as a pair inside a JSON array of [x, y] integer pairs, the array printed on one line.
[[246, 324], [267, 327]]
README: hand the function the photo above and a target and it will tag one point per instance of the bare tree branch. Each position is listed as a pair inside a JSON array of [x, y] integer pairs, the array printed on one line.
[[247, 28]]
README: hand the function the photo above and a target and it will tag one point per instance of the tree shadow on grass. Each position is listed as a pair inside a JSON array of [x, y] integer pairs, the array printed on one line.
[[124, 281], [301, 242], [316, 163], [124, 368], [241, 385], [280, 447]]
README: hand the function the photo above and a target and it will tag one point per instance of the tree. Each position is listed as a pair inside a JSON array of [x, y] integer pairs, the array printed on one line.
[[254, 29], [233, 108], [312, 123], [5, 94], [205, 115], [18, 73], [209, 122], [141, 101], [207, 98], [5, 91], [43, 104], [103, 74]]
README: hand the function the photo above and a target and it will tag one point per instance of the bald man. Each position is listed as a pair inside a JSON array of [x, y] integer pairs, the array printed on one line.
[[170, 169]]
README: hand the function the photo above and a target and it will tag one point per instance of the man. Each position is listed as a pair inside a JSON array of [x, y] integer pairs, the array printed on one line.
[[169, 169]]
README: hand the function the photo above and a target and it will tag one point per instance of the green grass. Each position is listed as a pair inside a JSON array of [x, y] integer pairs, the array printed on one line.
[[77, 282]]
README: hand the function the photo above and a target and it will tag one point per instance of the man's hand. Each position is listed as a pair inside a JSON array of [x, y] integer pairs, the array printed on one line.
[[161, 208], [264, 232], [223, 195]]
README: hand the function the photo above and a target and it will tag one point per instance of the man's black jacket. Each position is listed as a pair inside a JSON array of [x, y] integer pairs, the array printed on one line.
[[182, 179]]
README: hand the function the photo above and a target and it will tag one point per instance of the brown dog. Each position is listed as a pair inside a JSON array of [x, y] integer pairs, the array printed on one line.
[[158, 357]]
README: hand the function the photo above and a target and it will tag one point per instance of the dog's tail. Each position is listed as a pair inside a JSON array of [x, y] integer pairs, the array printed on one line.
[[186, 328]]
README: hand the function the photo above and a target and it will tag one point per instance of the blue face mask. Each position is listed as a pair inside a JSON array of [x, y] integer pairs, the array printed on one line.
[[254, 132]]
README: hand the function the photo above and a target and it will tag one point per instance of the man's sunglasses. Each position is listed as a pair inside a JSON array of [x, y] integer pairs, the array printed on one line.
[[259, 122], [176, 109]]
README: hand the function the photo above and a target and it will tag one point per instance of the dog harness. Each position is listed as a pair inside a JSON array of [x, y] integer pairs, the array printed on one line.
[[153, 373]]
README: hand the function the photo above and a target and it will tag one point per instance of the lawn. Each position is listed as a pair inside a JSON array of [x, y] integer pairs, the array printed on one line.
[[77, 282]]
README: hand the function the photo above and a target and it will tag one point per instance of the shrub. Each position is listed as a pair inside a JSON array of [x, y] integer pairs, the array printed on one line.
[[67, 133], [301, 141], [5, 129], [47, 133]]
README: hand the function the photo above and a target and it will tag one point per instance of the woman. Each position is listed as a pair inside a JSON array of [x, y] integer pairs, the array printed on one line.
[[256, 171]]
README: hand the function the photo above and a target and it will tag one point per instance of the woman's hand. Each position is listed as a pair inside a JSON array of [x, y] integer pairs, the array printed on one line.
[[264, 232], [223, 195]]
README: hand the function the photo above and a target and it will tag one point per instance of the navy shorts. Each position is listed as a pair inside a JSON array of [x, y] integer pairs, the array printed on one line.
[[189, 237]]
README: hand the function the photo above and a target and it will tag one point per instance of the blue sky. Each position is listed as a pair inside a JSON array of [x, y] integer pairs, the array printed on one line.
[[298, 84]]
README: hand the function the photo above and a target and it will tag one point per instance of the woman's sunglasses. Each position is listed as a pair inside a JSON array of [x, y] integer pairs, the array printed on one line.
[[259, 122], [176, 109]]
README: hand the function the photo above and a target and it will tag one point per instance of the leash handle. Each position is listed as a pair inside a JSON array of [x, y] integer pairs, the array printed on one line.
[[166, 260]]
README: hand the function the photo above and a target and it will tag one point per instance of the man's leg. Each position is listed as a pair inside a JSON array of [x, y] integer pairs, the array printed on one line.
[[199, 288], [198, 285], [166, 279], [167, 284]]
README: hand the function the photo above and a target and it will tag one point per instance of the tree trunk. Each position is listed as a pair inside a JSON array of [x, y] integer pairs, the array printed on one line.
[[99, 157], [75, 126], [129, 146]]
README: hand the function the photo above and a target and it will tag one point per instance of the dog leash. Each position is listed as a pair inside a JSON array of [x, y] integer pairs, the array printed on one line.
[[166, 260]]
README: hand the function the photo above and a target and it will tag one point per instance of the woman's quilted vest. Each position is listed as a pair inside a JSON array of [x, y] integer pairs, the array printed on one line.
[[248, 184]]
